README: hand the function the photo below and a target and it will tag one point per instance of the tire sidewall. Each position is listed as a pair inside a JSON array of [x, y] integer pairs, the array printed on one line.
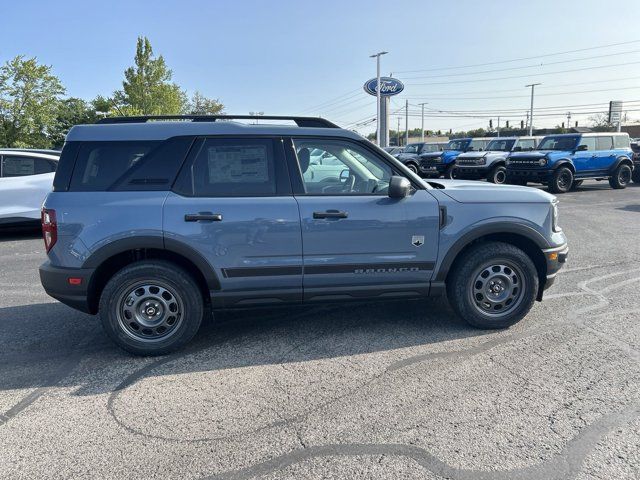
[[616, 182], [461, 281], [413, 167], [555, 181], [173, 276], [495, 171]]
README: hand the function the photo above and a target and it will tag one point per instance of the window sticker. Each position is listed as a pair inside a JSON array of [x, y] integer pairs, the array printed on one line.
[[238, 164]]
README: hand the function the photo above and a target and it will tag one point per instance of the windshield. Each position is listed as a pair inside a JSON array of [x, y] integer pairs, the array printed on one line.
[[558, 143], [412, 148], [457, 145], [501, 145], [431, 147]]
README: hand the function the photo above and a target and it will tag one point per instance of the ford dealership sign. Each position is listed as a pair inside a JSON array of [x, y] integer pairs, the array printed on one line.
[[389, 86]]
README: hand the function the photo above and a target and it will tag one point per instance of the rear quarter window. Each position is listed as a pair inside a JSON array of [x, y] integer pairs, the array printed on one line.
[[621, 141]]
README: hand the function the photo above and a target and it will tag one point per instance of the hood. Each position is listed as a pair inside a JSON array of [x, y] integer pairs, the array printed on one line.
[[531, 154], [406, 156], [467, 191], [472, 155]]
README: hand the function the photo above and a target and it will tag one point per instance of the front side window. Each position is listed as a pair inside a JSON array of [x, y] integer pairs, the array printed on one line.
[[460, 145], [413, 148], [528, 144], [352, 169], [431, 147], [231, 167], [590, 142]]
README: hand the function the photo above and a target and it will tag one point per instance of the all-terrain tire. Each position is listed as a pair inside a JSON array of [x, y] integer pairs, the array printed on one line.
[[621, 177], [561, 180]]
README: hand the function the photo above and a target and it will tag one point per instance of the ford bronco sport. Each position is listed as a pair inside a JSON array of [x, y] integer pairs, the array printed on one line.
[[563, 162], [153, 222], [490, 164]]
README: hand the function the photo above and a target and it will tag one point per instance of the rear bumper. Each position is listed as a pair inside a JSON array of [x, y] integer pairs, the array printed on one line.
[[530, 175], [556, 258], [55, 281]]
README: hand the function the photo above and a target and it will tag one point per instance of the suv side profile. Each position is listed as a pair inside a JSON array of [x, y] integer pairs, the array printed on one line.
[[491, 164], [153, 224], [443, 164], [563, 162]]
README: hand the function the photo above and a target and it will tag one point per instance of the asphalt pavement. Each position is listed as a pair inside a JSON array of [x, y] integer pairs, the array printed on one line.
[[380, 391]]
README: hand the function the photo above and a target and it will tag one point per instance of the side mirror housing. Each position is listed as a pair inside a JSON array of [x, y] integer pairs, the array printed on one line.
[[399, 187], [582, 148], [344, 175]]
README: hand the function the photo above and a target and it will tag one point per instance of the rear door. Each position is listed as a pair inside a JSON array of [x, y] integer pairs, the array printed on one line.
[[358, 242], [233, 204], [606, 154]]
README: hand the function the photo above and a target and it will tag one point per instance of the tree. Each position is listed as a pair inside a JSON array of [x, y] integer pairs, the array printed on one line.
[[71, 111], [201, 105], [29, 98], [147, 88]]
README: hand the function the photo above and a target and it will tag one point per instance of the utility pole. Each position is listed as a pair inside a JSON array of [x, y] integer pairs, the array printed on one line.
[[406, 122], [422, 130], [568, 120], [498, 127], [398, 132], [533, 86], [377, 57]]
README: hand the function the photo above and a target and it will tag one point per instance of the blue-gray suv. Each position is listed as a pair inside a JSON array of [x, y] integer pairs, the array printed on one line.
[[155, 222]]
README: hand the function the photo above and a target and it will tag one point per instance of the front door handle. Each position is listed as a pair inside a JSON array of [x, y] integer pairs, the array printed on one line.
[[203, 217], [330, 214]]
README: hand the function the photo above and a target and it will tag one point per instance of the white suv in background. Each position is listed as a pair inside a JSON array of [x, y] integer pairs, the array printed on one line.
[[26, 177], [490, 163]]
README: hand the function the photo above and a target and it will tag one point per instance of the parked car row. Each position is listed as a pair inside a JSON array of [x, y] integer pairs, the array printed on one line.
[[562, 162]]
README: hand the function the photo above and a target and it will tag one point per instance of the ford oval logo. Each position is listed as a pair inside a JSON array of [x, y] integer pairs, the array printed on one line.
[[388, 86]]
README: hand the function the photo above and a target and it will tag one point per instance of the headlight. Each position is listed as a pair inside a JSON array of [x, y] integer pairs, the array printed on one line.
[[480, 161], [437, 159], [554, 217], [542, 162]]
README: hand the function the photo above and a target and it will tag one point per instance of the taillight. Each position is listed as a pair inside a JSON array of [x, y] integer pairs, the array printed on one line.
[[49, 228]]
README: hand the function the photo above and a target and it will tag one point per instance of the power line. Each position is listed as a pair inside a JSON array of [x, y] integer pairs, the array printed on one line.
[[334, 100], [520, 59], [528, 75]]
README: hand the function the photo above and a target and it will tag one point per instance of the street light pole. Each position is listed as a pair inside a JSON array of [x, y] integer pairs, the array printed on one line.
[[533, 85], [422, 105], [377, 57]]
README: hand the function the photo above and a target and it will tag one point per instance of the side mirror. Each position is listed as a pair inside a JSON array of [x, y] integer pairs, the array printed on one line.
[[517, 149], [344, 175], [399, 187], [582, 148]]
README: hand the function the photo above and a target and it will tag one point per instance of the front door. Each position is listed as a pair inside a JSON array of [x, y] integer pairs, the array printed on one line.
[[233, 204], [357, 241], [585, 161]]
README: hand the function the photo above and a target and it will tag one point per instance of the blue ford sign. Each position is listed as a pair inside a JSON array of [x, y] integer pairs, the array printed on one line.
[[389, 86]]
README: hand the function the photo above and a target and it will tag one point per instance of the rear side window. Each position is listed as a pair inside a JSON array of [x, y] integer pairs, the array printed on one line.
[[621, 141], [19, 166], [604, 143], [100, 164], [241, 167]]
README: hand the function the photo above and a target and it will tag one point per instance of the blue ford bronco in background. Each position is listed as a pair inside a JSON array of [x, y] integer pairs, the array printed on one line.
[[442, 164], [154, 222], [562, 162]]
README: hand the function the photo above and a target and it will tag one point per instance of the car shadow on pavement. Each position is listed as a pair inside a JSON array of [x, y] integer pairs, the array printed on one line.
[[41, 344], [22, 232]]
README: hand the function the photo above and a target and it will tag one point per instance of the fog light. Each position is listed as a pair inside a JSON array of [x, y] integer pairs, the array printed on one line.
[[553, 256]]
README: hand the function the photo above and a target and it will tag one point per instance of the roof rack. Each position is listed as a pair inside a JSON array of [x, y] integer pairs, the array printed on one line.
[[313, 122]]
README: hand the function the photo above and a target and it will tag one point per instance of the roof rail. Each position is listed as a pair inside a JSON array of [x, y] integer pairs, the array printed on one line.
[[313, 122]]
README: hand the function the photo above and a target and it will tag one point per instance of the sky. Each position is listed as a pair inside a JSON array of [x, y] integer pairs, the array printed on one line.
[[470, 60]]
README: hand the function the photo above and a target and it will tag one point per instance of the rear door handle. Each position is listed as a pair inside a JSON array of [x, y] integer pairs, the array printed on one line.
[[203, 217], [330, 214]]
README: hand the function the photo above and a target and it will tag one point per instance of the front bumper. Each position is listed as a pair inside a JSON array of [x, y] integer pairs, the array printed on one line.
[[55, 281], [471, 172], [529, 174], [556, 258], [433, 169]]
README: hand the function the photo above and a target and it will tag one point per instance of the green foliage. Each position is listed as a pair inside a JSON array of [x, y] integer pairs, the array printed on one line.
[[71, 111], [201, 105], [147, 88], [29, 99]]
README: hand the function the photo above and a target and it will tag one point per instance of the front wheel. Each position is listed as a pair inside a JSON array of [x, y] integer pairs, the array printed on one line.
[[621, 177], [498, 175], [493, 285], [412, 166], [561, 181], [151, 308]]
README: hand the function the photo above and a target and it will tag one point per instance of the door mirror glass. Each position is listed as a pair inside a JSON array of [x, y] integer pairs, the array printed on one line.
[[399, 187]]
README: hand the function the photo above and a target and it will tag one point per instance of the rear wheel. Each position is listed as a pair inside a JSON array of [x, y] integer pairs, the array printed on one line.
[[151, 308], [561, 181], [493, 285], [498, 175], [621, 177]]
